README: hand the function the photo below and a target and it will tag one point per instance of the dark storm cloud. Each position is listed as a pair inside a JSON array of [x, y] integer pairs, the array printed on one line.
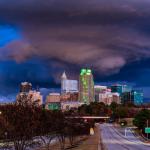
[[104, 35]]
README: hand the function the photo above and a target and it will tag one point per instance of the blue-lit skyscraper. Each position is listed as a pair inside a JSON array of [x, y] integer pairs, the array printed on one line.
[[134, 97], [137, 97]]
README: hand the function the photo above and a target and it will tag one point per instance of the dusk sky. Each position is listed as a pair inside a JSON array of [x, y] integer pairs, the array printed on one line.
[[39, 39]]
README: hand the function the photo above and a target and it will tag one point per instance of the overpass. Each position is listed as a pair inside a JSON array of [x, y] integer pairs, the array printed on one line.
[[90, 117]]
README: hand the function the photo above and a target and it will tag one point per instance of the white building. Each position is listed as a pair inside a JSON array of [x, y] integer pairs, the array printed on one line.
[[68, 85]]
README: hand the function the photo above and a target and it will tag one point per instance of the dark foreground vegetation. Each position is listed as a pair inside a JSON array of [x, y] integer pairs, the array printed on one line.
[[22, 125], [142, 120]]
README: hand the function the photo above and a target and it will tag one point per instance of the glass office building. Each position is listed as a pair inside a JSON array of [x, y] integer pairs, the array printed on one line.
[[120, 88], [135, 97]]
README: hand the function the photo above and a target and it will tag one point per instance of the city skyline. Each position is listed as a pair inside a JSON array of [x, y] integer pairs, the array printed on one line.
[[38, 42]]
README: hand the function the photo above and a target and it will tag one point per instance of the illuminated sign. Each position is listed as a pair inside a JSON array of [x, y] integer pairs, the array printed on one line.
[[147, 130]]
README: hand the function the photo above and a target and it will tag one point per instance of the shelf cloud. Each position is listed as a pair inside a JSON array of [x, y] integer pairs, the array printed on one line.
[[104, 35]]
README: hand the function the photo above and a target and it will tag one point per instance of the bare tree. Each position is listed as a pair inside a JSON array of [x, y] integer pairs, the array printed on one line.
[[46, 131], [21, 124]]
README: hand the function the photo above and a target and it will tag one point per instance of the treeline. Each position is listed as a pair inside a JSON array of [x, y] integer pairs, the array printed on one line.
[[142, 120], [22, 124], [115, 110]]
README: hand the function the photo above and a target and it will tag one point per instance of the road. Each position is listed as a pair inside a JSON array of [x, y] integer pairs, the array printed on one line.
[[114, 140]]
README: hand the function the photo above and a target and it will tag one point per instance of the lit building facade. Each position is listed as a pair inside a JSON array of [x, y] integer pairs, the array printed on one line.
[[69, 96], [53, 101], [97, 90], [53, 106], [104, 94], [35, 97], [134, 97], [86, 86], [108, 97], [68, 86], [137, 96], [120, 88], [31, 97]]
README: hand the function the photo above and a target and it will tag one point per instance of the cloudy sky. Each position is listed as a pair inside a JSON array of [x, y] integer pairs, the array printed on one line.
[[40, 39]]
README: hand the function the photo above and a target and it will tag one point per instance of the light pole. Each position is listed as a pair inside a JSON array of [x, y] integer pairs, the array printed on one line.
[[6, 135]]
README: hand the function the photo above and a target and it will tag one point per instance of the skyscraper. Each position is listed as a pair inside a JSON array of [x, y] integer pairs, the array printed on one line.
[[98, 90], [134, 97], [86, 86], [68, 86], [119, 88]]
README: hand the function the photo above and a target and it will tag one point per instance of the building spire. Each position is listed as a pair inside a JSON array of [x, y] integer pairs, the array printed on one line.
[[64, 75]]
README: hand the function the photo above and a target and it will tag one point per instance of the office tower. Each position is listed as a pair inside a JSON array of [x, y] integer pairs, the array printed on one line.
[[68, 86], [86, 86], [104, 94], [25, 87], [53, 97], [97, 90], [134, 97], [137, 96], [118, 88]]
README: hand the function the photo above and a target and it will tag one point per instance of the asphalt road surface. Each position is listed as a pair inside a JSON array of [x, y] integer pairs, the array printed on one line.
[[114, 140]]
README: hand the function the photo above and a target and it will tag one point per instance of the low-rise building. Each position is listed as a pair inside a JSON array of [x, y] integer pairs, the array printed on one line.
[[70, 96], [53, 101]]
